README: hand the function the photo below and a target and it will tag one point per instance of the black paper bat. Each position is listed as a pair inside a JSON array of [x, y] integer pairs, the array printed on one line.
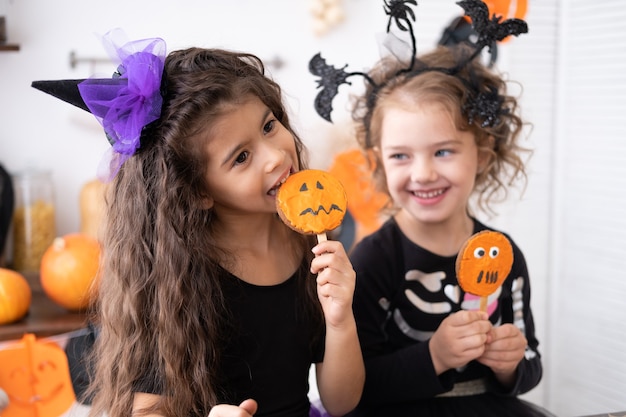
[[330, 80], [490, 30], [400, 12]]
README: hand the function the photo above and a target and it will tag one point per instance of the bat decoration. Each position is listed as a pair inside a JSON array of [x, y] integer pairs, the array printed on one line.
[[486, 106], [330, 80], [490, 30]]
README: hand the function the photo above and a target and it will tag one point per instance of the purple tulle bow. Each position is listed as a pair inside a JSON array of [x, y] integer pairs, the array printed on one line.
[[131, 99]]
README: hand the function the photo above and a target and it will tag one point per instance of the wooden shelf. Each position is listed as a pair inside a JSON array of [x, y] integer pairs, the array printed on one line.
[[45, 318], [9, 47]]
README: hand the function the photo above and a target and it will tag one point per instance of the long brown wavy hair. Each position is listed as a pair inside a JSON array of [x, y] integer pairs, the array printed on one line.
[[160, 305], [501, 141]]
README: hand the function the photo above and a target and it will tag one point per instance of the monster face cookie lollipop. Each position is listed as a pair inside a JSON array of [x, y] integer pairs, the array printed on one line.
[[312, 202], [483, 263]]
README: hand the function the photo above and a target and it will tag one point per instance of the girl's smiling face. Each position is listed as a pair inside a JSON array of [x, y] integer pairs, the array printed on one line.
[[250, 154], [430, 166]]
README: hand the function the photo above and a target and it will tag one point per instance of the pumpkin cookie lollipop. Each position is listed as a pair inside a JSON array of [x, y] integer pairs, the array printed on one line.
[[483, 263], [312, 202]]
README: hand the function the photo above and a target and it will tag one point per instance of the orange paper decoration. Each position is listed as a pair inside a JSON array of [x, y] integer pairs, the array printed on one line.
[[36, 377], [365, 203], [483, 264]]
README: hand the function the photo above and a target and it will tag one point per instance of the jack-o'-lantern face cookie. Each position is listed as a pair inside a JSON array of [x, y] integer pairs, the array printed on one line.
[[484, 262], [312, 201]]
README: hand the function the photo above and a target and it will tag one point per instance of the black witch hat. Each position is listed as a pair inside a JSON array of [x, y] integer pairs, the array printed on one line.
[[67, 90], [125, 103]]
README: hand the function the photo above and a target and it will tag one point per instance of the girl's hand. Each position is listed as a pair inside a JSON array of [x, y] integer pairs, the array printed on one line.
[[245, 409], [460, 338], [504, 351], [340, 377], [335, 282]]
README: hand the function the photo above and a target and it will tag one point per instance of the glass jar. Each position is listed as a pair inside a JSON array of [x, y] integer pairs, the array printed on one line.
[[34, 226]]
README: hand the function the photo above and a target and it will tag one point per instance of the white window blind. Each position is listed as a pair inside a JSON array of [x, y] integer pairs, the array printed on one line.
[[587, 369]]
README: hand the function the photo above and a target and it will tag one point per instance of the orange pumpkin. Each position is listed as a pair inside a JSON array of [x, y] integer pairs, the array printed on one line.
[[15, 296], [69, 270], [312, 201], [484, 262]]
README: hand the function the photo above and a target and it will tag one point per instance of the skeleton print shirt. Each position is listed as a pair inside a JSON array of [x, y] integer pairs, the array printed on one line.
[[403, 292]]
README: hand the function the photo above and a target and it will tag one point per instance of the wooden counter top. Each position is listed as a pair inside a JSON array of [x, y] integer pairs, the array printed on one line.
[[45, 318]]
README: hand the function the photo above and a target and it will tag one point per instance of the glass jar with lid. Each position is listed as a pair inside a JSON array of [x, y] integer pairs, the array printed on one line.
[[34, 226]]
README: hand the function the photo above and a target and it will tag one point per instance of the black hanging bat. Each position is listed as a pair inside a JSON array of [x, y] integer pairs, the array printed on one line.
[[330, 80], [490, 30], [400, 12]]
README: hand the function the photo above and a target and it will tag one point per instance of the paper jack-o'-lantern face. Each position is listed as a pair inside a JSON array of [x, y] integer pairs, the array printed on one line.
[[36, 378], [484, 263], [312, 201]]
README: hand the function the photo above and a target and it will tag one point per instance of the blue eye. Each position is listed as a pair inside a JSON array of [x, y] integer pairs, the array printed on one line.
[[443, 152]]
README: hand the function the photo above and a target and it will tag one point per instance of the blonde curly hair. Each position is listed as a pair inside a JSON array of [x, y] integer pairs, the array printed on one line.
[[500, 141]]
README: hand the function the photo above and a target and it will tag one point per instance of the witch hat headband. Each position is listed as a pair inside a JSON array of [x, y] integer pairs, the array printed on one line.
[[123, 104], [484, 105]]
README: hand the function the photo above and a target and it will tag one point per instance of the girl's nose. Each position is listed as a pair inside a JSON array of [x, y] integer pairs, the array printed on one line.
[[423, 171], [275, 158]]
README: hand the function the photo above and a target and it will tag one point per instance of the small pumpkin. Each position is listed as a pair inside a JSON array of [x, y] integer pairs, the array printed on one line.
[[69, 270], [15, 296]]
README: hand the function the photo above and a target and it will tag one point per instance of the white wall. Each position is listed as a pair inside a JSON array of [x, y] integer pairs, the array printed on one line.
[[38, 130]]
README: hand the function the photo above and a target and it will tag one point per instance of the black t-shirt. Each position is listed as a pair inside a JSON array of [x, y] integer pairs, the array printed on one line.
[[269, 351]]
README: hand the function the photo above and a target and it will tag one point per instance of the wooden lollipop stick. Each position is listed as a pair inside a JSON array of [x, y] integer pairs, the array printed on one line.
[[321, 237], [483, 303]]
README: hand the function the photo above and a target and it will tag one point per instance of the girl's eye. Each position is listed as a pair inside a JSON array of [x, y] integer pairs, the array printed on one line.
[[443, 152], [398, 156], [241, 158], [269, 126]]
